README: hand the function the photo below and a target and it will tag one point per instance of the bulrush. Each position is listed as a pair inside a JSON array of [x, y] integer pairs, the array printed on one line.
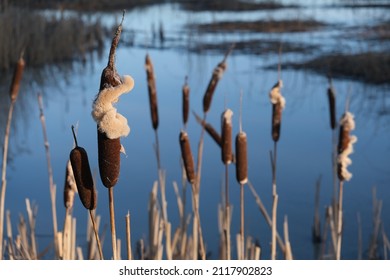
[[151, 80], [226, 136], [210, 130], [15, 85], [345, 146], [186, 102], [83, 176], [218, 72], [241, 158], [187, 157], [332, 105], [278, 104]]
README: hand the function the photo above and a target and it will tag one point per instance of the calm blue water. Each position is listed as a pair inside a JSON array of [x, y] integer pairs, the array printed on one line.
[[304, 150]]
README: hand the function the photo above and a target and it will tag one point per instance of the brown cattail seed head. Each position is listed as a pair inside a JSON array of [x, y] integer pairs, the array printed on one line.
[[241, 158], [69, 187], [151, 80], [345, 146], [278, 104], [186, 103], [188, 159], [226, 136], [83, 177], [210, 130], [332, 107], [216, 76], [109, 159], [15, 85]]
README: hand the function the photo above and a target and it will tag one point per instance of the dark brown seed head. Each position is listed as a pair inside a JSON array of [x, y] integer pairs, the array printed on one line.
[[188, 159], [226, 136], [83, 177], [210, 130], [241, 158], [332, 107], [216, 76], [151, 80], [109, 159], [186, 102], [15, 85], [276, 121]]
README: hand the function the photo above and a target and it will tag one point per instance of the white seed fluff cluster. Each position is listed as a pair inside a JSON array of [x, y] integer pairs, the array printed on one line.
[[275, 94], [348, 122], [113, 124]]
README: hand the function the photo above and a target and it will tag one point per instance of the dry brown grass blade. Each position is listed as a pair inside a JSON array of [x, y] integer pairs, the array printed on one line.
[[128, 237]]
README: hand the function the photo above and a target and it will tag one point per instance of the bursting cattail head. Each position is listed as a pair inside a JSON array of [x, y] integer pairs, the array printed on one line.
[[186, 102], [332, 105], [226, 136], [345, 146], [278, 104], [70, 186], [16, 79], [187, 157], [83, 176], [151, 80], [241, 158]]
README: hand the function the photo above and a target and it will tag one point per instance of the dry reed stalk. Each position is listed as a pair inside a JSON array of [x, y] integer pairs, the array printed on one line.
[[186, 101], [288, 255], [265, 214], [128, 237], [52, 186], [14, 92], [274, 230], [151, 80], [209, 129], [31, 214]]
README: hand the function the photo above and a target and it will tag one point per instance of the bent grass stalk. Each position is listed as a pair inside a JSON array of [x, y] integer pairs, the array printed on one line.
[[14, 92]]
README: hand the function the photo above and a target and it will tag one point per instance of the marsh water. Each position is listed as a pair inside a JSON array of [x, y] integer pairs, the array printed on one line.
[[304, 149]]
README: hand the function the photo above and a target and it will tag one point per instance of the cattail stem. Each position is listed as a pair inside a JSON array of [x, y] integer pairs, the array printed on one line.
[[340, 221], [242, 219], [112, 222], [197, 227], [227, 213], [96, 234], [52, 186], [128, 237]]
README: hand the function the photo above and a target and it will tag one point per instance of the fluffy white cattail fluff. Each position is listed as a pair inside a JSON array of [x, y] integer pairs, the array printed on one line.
[[347, 124], [113, 124], [275, 94]]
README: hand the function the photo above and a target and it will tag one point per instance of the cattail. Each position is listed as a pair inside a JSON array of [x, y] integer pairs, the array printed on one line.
[[241, 158], [215, 77], [332, 105], [69, 187], [278, 104], [83, 176], [210, 130], [226, 136], [345, 146], [188, 159], [110, 124], [152, 91], [14, 91], [186, 102]]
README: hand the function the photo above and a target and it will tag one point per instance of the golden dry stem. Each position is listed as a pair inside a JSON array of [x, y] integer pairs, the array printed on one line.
[[15, 85], [83, 177], [69, 187], [226, 136], [187, 157], [151, 80], [241, 158], [109, 159]]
